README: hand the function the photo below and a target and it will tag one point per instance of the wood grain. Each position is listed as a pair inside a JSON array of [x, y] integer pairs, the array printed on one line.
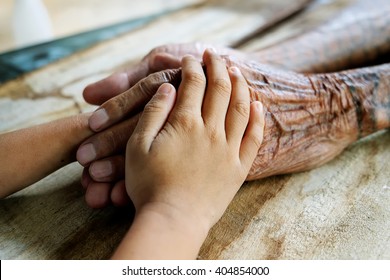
[[337, 211]]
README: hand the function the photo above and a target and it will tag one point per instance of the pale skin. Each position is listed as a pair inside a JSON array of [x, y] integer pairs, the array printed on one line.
[[178, 189]]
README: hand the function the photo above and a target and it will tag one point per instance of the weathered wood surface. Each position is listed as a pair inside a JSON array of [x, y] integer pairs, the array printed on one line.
[[337, 211], [72, 16]]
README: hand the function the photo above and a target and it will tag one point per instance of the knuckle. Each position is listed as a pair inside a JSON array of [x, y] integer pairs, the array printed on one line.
[[159, 49], [156, 61], [195, 79], [154, 106], [120, 105], [185, 119], [134, 142], [109, 141], [214, 134], [222, 86], [148, 86], [257, 140], [242, 109], [153, 60], [115, 106]]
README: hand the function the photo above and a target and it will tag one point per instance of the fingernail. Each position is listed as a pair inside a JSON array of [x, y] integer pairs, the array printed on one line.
[[235, 70], [98, 119], [212, 50], [259, 106], [165, 88], [86, 154], [101, 169], [188, 56]]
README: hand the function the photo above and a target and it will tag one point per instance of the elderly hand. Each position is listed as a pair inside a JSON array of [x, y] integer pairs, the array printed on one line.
[[103, 154]]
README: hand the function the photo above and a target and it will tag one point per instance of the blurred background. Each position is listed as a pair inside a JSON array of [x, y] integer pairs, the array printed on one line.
[[27, 22]]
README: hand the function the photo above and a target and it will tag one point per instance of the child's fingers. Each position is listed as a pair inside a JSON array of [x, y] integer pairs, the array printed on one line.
[[238, 112], [253, 135], [154, 116], [216, 100], [192, 87]]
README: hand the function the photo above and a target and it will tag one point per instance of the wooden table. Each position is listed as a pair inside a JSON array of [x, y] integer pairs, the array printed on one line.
[[68, 17], [338, 211]]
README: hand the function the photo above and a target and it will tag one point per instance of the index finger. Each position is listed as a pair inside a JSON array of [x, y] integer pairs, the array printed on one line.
[[131, 100]]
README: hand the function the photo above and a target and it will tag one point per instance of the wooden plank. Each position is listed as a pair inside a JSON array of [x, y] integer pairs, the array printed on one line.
[[316, 14], [337, 211]]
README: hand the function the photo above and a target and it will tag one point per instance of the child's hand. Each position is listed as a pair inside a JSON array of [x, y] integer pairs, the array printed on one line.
[[160, 58], [190, 153]]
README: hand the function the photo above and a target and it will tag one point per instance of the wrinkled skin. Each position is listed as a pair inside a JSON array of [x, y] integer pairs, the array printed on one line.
[[363, 33], [312, 116], [102, 189], [310, 119]]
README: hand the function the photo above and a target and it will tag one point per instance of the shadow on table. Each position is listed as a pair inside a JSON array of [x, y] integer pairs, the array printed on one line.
[[57, 224]]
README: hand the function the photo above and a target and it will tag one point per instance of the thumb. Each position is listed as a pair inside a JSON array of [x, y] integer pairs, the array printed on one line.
[[253, 136], [163, 61], [155, 115], [99, 92]]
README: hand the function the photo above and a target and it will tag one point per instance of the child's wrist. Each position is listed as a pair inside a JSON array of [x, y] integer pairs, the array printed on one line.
[[186, 220], [159, 231]]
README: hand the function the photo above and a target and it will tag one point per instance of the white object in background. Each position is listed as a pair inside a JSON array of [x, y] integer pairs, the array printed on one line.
[[31, 23]]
